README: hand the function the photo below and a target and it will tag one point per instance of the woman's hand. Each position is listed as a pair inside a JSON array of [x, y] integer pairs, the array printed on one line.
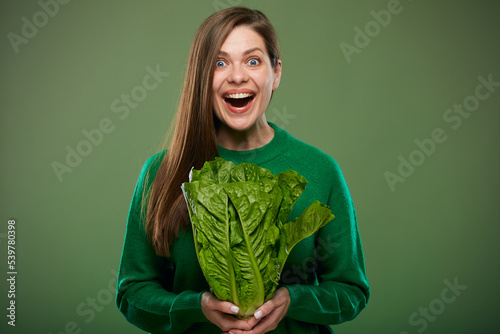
[[221, 313], [268, 316]]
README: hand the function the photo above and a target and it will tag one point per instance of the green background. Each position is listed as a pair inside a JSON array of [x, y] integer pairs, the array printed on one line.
[[440, 224]]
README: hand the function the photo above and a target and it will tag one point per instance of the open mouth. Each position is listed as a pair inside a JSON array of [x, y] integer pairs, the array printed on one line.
[[239, 100]]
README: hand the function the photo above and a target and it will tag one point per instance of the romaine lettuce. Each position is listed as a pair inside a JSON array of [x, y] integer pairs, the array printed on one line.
[[239, 218]]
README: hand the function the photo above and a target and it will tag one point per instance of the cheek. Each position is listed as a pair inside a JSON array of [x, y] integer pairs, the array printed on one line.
[[216, 82], [266, 81]]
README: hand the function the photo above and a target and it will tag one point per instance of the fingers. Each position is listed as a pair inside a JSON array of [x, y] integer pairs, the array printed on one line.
[[227, 307], [271, 313], [227, 323], [259, 323], [215, 304], [238, 331], [221, 313], [276, 301], [264, 310], [265, 319]]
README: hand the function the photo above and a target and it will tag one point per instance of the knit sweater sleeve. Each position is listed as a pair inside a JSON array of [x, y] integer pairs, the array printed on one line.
[[142, 293], [343, 289]]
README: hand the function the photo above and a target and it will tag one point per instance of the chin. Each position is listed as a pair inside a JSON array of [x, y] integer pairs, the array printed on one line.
[[239, 124]]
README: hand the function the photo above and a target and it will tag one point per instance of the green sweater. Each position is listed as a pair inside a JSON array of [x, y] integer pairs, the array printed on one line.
[[325, 273]]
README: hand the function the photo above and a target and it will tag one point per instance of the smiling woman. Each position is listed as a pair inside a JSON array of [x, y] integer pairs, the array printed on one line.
[[234, 67], [243, 82]]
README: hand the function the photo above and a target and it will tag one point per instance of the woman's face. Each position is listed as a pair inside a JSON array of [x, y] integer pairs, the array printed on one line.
[[243, 79]]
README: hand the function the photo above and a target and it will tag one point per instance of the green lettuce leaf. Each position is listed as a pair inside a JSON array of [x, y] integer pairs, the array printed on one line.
[[239, 218]]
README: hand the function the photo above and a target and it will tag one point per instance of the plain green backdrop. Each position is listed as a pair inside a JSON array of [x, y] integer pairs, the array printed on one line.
[[64, 70]]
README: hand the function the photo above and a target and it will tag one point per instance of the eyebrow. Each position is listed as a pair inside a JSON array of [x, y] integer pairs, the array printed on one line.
[[225, 54]]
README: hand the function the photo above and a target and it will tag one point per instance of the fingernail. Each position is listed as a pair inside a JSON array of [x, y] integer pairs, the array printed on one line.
[[234, 309], [258, 314], [231, 333]]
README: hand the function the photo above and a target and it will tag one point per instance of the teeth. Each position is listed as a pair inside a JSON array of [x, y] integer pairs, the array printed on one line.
[[238, 95]]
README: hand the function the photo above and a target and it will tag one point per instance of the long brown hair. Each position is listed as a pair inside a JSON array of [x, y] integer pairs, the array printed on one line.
[[194, 138]]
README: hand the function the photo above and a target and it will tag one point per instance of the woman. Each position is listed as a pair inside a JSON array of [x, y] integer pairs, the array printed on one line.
[[233, 69]]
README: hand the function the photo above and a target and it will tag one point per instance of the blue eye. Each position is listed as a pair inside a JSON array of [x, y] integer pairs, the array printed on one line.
[[220, 63], [254, 62]]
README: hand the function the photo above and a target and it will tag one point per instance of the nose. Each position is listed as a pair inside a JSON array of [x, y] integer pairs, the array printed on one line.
[[237, 74]]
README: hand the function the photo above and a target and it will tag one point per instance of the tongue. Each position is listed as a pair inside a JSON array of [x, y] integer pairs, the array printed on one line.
[[238, 103]]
